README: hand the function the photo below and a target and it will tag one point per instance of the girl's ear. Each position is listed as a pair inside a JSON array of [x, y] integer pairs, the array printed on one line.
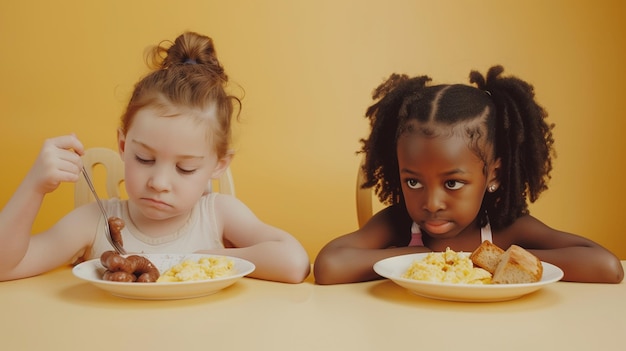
[[121, 142], [222, 165], [493, 181]]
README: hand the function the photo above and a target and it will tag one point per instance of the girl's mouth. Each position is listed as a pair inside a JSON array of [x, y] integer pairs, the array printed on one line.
[[156, 203], [437, 226]]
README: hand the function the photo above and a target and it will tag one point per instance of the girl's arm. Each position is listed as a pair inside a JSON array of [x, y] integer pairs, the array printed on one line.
[[277, 255], [581, 259], [23, 254], [57, 162], [350, 258], [60, 245]]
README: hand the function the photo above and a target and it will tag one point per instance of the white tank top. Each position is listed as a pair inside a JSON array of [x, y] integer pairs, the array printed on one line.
[[199, 233]]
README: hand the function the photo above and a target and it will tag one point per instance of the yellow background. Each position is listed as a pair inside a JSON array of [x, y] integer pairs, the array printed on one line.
[[308, 69]]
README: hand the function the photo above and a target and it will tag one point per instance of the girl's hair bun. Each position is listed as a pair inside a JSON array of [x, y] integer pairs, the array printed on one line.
[[189, 48]]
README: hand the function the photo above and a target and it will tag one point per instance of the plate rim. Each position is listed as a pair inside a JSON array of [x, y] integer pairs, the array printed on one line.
[[83, 269], [556, 274]]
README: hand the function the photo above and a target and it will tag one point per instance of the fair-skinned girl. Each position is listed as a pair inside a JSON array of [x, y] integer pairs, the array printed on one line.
[[456, 165], [174, 138]]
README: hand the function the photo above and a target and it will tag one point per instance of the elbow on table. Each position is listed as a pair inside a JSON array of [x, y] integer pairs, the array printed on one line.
[[611, 271], [296, 269], [327, 271], [298, 272], [618, 275], [606, 271]]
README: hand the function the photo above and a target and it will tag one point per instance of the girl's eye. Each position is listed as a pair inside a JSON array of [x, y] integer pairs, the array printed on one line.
[[454, 184], [143, 160], [413, 184], [186, 171], [149, 162]]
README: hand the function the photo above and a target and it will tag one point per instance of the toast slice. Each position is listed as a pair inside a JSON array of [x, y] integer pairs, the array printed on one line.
[[487, 256], [517, 266]]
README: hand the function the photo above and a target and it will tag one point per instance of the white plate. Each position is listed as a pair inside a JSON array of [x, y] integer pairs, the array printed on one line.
[[394, 267], [92, 270]]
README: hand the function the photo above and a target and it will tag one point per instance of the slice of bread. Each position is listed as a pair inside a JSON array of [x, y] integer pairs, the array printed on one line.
[[487, 256], [517, 266]]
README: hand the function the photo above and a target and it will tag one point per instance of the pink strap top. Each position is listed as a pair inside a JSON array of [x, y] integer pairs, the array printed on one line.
[[416, 235]]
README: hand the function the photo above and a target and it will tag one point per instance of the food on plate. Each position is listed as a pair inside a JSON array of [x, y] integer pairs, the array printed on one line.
[[116, 225], [517, 266], [133, 268], [513, 266], [447, 267], [202, 269], [487, 256], [488, 264], [119, 276]]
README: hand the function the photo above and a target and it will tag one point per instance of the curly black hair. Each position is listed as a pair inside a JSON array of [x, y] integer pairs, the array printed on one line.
[[512, 123]]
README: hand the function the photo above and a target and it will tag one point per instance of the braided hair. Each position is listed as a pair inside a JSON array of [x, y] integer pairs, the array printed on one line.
[[511, 123]]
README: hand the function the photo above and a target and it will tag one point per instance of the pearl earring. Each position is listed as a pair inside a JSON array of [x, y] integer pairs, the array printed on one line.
[[492, 188]]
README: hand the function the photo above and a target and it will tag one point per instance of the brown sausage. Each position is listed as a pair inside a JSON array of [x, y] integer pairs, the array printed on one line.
[[143, 269], [139, 267], [116, 225], [104, 258], [147, 278], [112, 261], [119, 276]]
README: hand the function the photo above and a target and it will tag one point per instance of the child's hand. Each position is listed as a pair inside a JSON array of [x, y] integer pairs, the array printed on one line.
[[58, 161]]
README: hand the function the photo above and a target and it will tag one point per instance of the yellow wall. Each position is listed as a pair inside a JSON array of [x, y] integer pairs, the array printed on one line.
[[308, 69]]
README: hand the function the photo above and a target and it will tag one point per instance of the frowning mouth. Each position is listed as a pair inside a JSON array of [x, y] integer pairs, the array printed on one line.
[[437, 226], [156, 202]]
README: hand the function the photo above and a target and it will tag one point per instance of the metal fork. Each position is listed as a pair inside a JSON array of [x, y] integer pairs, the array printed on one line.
[[115, 245]]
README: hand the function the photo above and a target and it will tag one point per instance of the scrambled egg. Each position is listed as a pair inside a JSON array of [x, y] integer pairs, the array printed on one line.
[[447, 267], [205, 268]]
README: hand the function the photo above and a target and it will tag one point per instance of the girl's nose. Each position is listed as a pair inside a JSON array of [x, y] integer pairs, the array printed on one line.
[[435, 200], [159, 180]]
